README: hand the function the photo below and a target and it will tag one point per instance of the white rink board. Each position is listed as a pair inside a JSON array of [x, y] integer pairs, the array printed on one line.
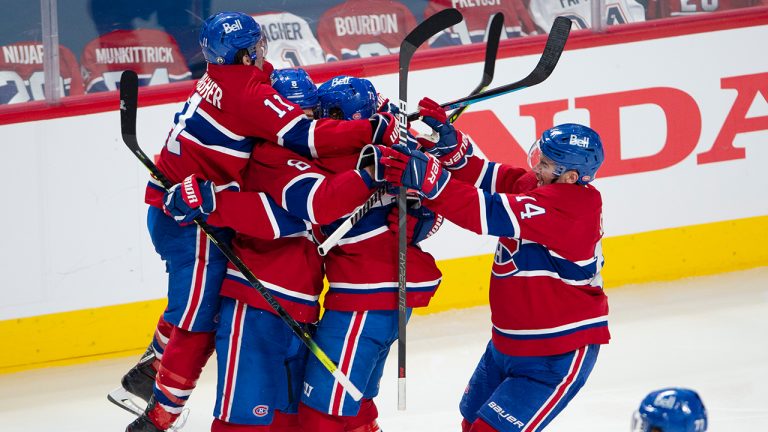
[[76, 237]]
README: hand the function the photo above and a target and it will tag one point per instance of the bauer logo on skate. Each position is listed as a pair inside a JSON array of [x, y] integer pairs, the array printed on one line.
[[260, 410]]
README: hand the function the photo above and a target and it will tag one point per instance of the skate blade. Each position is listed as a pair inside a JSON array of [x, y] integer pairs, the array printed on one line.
[[125, 400]]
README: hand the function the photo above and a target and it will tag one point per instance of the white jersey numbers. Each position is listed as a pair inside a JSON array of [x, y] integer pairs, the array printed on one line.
[[280, 112], [531, 210]]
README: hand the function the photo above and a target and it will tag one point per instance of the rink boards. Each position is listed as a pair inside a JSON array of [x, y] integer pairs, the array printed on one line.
[[682, 110]]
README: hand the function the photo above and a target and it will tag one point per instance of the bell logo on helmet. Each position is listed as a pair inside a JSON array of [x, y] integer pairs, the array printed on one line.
[[581, 142], [229, 28], [340, 80]]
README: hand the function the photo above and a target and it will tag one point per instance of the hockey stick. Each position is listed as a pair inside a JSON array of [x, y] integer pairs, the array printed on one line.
[[491, 49], [558, 36], [129, 92], [333, 239], [430, 27]]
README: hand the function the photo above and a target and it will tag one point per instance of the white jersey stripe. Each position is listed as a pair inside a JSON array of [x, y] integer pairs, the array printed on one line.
[[557, 329], [220, 149], [277, 288], [287, 128], [228, 133], [364, 286]]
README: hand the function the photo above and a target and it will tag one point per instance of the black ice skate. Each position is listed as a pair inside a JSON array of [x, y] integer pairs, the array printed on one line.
[[142, 424], [136, 384], [145, 424]]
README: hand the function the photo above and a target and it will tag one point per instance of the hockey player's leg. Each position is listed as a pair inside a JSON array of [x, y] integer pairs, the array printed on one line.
[[185, 356], [140, 379], [359, 342], [222, 426], [535, 391], [365, 420], [255, 353]]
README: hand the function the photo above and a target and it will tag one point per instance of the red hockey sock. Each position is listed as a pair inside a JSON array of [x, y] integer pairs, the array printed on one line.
[[282, 422], [480, 425], [222, 426], [365, 420], [312, 420], [160, 340], [183, 361], [465, 425]]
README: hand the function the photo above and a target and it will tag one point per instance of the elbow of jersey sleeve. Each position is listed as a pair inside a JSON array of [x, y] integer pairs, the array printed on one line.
[[244, 212], [339, 195], [341, 137]]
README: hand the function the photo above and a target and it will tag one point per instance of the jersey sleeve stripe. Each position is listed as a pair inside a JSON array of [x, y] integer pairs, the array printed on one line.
[[220, 149], [479, 180], [511, 214], [494, 176], [228, 133], [483, 211], [270, 215], [311, 139], [286, 129], [297, 195]]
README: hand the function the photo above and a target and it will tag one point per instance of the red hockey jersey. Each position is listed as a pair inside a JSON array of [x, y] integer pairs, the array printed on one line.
[[546, 292], [289, 267], [364, 28], [214, 133], [153, 54], [362, 270], [22, 76]]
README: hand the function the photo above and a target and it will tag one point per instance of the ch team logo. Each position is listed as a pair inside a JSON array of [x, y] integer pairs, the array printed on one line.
[[229, 28], [503, 259], [261, 410]]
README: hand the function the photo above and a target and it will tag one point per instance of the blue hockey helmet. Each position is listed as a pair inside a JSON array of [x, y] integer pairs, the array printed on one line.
[[347, 98], [296, 86], [571, 147], [670, 410], [226, 33]]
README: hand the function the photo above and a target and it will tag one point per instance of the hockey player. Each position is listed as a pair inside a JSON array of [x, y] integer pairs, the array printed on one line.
[[213, 136], [548, 308], [670, 410], [255, 347], [360, 320], [296, 86]]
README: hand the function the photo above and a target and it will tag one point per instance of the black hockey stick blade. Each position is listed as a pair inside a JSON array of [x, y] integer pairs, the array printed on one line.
[[129, 102], [558, 36], [491, 50], [129, 92]]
